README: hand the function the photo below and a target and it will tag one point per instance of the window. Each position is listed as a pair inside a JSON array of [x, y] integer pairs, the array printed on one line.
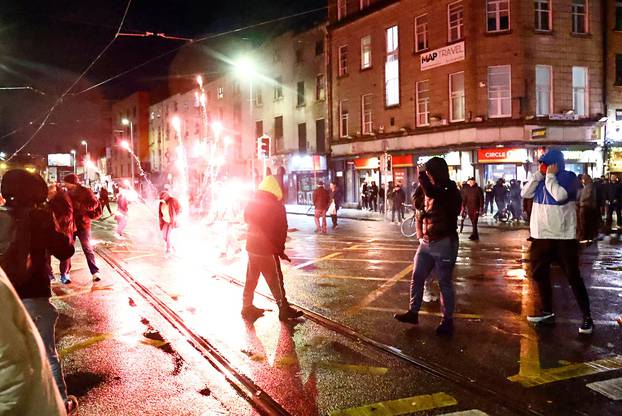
[[278, 88], [343, 60], [364, 4], [455, 21], [220, 93], [300, 90], [618, 80], [320, 88], [499, 91], [299, 55], [342, 9], [319, 47], [497, 15], [259, 128], [302, 137], [366, 52], [542, 15], [544, 75], [278, 132], [258, 96], [343, 118], [423, 103], [579, 16], [366, 121], [392, 69], [579, 91], [456, 97], [618, 15], [421, 33]]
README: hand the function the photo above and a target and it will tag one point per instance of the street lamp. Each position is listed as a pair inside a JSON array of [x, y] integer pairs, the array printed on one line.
[[128, 122], [245, 68], [86, 157], [73, 154]]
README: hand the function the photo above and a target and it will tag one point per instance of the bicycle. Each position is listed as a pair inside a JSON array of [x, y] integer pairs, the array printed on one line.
[[408, 227]]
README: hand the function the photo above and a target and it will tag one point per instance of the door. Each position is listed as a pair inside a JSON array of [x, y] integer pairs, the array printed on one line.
[[320, 136], [302, 137]]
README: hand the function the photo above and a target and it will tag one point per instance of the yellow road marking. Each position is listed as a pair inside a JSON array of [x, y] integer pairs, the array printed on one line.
[[382, 289], [140, 256], [363, 369], [569, 371], [456, 315], [400, 406], [85, 344], [343, 276], [317, 260]]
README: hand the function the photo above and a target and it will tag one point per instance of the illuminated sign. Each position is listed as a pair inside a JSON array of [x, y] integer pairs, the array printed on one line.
[[442, 56], [307, 163], [452, 158], [60, 159], [502, 155]]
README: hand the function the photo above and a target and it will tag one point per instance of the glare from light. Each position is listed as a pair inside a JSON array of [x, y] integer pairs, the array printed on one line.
[[73, 152], [125, 144], [3, 165], [228, 140], [200, 81], [90, 164], [176, 123], [2, 154], [31, 170], [125, 122], [217, 127], [84, 143], [244, 67]]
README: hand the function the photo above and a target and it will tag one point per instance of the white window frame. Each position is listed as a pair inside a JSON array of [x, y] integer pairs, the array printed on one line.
[[363, 4], [576, 17], [344, 119], [502, 94], [367, 124], [539, 12], [584, 89], [544, 90], [342, 9], [320, 87], [458, 9], [220, 93], [497, 12], [423, 103], [457, 95], [343, 60], [366, 60], [423, 33], [392, 67]]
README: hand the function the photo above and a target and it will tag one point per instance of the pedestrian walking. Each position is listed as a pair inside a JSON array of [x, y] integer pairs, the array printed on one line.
[[589, 214], [321, 201], [516, 201], [123, 210], [381, 192], [104, 198], [85, 209], [501, 194], [613, 195], [335, 199], [553, 227], [437, 225], [490, 198], [168, 210], [59, 202], [398, 197], [373, 196], [28, 234], [265, 244], [472, 205], [365, 195]]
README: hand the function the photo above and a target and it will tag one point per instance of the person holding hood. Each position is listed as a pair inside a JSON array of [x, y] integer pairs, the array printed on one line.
[[553, 226], [437, 223], [265, 244]]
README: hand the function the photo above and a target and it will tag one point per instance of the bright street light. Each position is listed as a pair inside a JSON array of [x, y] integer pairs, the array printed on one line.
[[244, 67], [125, 144], [217, 127], [125, 122]]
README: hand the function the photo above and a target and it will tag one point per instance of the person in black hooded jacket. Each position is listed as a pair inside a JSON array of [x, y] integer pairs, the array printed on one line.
[[437, 223]]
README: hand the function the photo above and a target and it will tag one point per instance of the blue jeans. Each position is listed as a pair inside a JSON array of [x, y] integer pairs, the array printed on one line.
[[85, 241], [45, 315], [441, 255]]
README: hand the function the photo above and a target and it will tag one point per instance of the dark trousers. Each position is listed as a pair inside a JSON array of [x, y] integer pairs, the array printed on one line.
[[399, 208], [489, 202], [333, 218], [501, 204], [474, 217], [373, 203], [85, 242], [105, 204], [270, 268], [610, 209], [565, 253]]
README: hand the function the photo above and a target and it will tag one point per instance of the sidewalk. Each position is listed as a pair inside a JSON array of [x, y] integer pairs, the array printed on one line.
[[364, 215]]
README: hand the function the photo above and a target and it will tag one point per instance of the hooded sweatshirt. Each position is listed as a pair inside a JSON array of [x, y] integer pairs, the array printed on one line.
[[266, 219], [553, 215]]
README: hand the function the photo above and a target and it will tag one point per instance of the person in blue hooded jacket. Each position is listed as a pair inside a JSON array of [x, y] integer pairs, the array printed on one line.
[[553, 226]]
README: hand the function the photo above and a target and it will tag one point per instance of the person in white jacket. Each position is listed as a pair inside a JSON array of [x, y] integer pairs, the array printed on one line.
[[553, 227], [27, 387]]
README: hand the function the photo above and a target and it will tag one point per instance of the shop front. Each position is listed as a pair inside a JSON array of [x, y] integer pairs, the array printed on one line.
[[503, 163], [584, 161], [615, 160], [459, 162], [303, 174]]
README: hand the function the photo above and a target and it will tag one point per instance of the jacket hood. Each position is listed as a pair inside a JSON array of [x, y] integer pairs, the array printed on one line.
[[438, 169], [554, 157], [22, 188], [271, 185]]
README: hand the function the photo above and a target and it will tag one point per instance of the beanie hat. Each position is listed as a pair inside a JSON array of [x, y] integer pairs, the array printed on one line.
[[72, 178], [270, 185], [22, 188]]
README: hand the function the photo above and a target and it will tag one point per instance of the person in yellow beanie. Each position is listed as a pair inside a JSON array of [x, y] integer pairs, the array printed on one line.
[[265, 244]]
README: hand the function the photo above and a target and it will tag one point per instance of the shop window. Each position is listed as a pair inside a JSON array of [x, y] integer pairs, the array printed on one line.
[[278, 88], [423, 103], [579, 90], [618, 80], [344, 118], [542, 15], [320, 88], [366, 52], [497, 15], [342, 9], [579, 16], [343, 60], [392, 68], [544, 76], [421, 33], [456, 97], [366, 119], [499, 91], [455, 21]]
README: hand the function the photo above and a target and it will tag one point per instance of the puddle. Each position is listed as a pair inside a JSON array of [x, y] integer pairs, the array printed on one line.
[[81, 382]]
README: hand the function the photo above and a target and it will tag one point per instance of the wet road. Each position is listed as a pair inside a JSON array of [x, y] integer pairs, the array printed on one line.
[[356, 277]]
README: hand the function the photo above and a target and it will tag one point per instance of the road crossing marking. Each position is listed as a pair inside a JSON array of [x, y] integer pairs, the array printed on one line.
[[345, 277], [317, 260], [400, 406], [609, 388], [141, 256], [382, 289], [473, 412], [85, 344]]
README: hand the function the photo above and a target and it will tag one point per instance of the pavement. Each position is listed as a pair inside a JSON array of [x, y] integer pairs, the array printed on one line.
[[348, 356]]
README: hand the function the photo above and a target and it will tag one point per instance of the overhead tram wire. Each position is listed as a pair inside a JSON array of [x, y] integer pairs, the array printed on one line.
[[68, 90]]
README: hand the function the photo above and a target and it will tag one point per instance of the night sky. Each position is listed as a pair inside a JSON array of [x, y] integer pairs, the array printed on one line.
[[46, 44]]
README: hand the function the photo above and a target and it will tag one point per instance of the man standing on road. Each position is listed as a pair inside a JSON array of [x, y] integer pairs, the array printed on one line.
[[553, 227], [104, 198], [437, 225], [265, 244], [472, 205], [613, 194], [489, 198], [85, 209], [321, 201], [335, 198], [500, 193], [516, 202], [373, 196], [398, 198]]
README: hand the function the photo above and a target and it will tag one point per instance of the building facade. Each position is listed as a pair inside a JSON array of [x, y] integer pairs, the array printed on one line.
[[488, 84], [613, 86]]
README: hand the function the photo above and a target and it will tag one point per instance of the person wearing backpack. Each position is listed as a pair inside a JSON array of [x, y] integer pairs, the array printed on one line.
[[28, 235], [86, 208]]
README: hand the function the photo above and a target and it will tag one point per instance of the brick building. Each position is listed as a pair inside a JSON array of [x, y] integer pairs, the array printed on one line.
[[613, 87], [488, 84]]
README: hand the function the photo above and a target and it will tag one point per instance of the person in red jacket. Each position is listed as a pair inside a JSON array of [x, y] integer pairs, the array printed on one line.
[[472, 205], [168, 210], [321, 201], [265, 244]]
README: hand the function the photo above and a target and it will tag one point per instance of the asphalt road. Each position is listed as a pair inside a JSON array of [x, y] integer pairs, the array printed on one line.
[[355, 277]]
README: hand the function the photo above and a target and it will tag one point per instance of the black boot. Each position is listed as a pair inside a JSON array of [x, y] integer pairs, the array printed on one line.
[[408, 317], [286, 312], [445, 328]]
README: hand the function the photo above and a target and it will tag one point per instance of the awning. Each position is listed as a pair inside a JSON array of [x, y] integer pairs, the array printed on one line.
[[402, 161]]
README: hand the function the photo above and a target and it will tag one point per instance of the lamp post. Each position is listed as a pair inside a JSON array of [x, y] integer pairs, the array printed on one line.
[[86, 158], [127, 122], [73, 154], [244, 68]]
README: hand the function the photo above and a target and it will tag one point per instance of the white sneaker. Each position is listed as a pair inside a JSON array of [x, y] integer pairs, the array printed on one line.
[[96, 277], [428, 296]]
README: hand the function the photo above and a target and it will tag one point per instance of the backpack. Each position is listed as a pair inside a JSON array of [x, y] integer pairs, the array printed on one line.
[[15, 236]]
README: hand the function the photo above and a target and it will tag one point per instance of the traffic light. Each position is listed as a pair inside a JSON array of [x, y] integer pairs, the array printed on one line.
[[389, 163], [263, 147]]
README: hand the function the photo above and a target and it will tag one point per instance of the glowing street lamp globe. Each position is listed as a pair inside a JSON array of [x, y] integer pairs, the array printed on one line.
[[244, 67], [125, 122], [125, 144], [217, 127]]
